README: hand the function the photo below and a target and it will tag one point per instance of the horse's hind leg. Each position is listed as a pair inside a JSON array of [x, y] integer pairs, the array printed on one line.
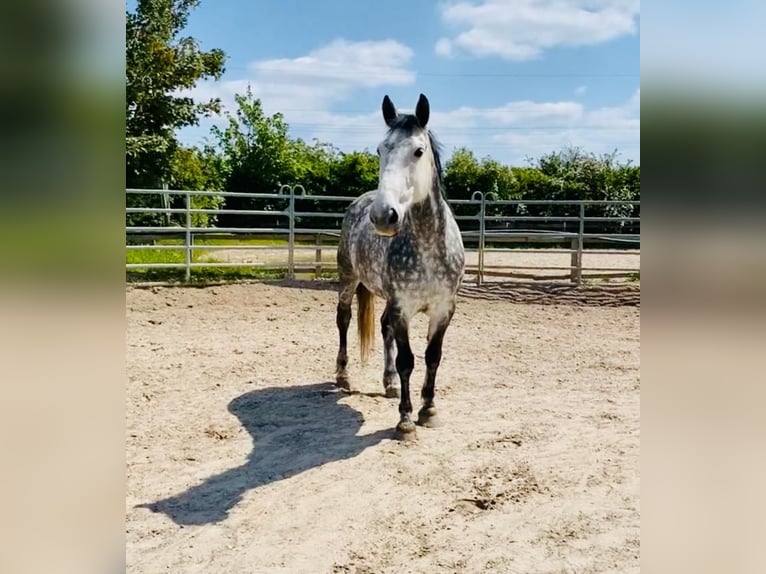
[[436, 328], [343, 319], [390, 376]]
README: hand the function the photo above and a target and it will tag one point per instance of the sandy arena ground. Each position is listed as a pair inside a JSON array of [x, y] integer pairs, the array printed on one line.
[[242, 457]]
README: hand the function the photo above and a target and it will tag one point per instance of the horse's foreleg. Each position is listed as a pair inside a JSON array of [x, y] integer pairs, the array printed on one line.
[[436, 329], [343, 319], [405, 362], [390, 381]]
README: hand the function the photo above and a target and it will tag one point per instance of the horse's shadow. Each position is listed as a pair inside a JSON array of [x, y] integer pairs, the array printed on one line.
[[293, 429]]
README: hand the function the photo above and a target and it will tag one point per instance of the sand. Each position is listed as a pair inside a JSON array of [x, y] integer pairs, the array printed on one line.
[[243, 457]]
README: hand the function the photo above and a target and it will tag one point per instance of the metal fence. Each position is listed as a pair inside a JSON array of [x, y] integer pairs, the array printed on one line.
[[501, 230]]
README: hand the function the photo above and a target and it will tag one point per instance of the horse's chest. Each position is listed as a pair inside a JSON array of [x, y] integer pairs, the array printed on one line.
[[423, 275], [422, 272]]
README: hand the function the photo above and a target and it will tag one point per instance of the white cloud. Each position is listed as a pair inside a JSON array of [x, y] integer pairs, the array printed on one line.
[[443, 47], [303, 89], [597, 130], [522, 29], [580, 90], [332, 72], [310, 91], [304, 86], [518, 130], [510, 133]]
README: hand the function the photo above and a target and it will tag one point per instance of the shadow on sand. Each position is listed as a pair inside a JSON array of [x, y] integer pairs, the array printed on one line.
[[293, 429]]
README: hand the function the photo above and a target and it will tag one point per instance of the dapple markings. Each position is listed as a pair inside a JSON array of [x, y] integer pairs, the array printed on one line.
[[401, 242]]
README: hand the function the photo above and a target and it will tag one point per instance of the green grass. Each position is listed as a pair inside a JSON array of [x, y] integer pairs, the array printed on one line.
[[149, 255], [213, 275], [227, 241], [203, 275]]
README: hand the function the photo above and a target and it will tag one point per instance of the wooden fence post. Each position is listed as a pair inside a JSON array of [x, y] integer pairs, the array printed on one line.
[[575, 262], [318, 257]]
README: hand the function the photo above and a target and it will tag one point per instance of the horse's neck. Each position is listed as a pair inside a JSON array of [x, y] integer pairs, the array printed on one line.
[[429, 217]]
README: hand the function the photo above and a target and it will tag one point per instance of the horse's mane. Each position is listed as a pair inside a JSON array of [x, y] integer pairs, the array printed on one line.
[[408, 123]]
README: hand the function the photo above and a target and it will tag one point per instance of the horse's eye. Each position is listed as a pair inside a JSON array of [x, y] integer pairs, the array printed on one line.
[[419, 152]]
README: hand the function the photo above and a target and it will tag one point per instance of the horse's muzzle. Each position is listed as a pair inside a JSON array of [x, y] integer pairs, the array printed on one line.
[[385, 220], [387, 231]]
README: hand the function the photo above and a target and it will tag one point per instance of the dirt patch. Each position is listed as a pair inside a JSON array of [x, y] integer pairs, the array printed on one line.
[[243, 457]]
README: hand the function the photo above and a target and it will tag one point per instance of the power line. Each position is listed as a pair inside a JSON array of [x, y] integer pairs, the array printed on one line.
[[367, 112], [372, 143], [365, 130], [530, 75], [398, 73]]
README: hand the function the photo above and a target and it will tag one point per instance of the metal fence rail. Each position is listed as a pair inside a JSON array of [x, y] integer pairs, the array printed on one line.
[[488, 227]]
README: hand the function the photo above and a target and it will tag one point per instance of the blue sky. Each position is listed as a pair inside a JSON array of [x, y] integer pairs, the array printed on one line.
[[511, 79]]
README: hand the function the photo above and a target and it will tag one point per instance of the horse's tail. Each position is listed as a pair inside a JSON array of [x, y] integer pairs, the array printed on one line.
[[365, 319]]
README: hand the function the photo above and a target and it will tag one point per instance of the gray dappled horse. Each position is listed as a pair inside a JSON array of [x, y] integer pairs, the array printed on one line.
[[401, 242]]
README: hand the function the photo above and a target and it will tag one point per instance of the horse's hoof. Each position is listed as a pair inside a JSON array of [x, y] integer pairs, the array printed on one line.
[[392, 392], [427, 417], [405, 431], [342, 383]]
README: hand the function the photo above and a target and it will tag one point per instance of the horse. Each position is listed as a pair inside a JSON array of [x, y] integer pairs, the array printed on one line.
[[400, 242]]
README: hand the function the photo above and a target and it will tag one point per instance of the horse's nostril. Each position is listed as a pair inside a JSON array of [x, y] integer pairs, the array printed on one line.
[[393, 217]]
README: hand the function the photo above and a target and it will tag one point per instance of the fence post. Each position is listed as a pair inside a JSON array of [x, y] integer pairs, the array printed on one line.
[[480, 269], [165, 198], [482, 236], [574, 263], [188, 241], [580, 233], [291, 236], [318, 257]]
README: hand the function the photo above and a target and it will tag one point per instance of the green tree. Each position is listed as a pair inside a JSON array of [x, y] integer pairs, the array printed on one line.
[[461, 174], [192, 169], [255, 148], [189, 169], [588, 176], [533, 184], [349, 175], [312, 166], [496, 178], [355, 173], [464, 174], [256, 157], [159, 63], [581, 175]]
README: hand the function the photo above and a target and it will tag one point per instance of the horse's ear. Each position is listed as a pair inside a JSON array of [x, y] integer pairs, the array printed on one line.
[[422, 111], [389, 111]]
